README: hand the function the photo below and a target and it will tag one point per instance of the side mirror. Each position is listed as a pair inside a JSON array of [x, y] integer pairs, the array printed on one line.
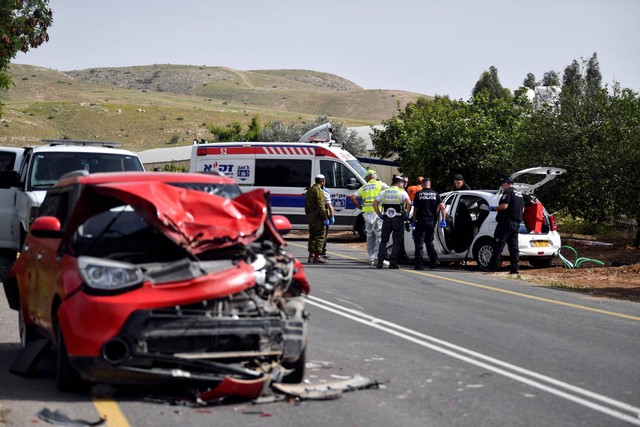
[[9, 179], [352, 184], [282, 223], [46, 226]]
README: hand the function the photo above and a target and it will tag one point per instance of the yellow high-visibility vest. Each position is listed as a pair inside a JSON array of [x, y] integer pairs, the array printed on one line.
[[369, 192]]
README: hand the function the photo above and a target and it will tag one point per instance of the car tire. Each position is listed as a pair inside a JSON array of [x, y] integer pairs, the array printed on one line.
[[297, 375], [482, 252], [68, 379], [27, 333], [402, 255], [541, 262], [359, 228]]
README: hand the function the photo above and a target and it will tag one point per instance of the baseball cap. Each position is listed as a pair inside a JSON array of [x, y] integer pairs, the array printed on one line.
[[319, 176], [396, 179], [506, 179], [457, 177]]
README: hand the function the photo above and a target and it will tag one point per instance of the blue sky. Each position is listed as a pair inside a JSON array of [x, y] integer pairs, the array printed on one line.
[[429, 47]]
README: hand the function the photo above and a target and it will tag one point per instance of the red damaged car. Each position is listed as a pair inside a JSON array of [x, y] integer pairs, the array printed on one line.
[[158, 278]]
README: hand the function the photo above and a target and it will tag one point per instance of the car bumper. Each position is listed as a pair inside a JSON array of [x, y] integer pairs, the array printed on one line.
[[153, 349], [162, 333]]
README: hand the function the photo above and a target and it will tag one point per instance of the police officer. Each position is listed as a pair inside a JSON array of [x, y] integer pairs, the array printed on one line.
[[426, 206], [318, 218], [509, 217], [394, 202], [363, 199]]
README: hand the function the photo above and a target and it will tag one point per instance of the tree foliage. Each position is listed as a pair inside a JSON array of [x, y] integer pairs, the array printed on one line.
[[550, 78], [530, 81], [490, 82], [440, 137], [592, 132], [231, 132], [23, 26], [594, 135]]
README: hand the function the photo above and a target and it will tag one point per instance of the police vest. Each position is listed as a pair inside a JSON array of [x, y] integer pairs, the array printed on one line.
[[369, 192], [392, 202]]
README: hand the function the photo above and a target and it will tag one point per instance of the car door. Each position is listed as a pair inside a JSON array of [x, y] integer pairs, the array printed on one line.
[[444, 236], [44, 261], [8, 157]]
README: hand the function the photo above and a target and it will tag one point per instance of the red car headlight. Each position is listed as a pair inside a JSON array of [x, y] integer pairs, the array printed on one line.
[[108, 275]]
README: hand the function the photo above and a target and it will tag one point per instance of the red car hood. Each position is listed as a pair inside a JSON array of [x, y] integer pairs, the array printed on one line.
[[195, 220]]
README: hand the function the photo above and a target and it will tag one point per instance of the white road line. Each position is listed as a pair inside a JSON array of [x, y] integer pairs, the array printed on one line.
[[497, 366]]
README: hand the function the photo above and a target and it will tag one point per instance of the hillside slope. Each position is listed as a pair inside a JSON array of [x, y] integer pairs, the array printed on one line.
[[150, 106]]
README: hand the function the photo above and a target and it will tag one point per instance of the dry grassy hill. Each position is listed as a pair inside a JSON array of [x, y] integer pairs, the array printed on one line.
[[151, 106]]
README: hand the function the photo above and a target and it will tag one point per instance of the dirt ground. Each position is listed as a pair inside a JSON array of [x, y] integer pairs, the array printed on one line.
[[618, 278]]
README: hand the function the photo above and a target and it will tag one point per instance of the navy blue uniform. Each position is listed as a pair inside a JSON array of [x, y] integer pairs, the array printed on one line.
[[425, 203], [507, 229]]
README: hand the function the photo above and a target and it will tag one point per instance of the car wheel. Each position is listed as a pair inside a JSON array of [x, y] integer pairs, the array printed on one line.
[[27, 333], [482, 252], [359, 228], [297, 375], [68, 379], [540, 262], [402, 255]]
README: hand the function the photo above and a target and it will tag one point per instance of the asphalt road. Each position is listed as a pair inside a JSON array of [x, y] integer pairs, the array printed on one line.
[[448, 347]]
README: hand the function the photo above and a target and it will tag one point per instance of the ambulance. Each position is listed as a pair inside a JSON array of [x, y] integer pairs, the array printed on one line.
[[288, 169]]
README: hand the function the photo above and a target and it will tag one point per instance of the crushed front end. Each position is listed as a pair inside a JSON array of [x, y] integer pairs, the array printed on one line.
[[207, 308]]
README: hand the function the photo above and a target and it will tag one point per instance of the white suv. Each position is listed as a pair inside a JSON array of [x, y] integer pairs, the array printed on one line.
[[470, 225], [28, 172]]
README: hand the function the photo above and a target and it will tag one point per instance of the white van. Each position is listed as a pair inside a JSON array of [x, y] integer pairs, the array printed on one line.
[[288, 169]]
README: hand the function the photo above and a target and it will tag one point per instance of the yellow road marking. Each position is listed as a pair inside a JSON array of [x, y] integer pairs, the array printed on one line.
[[110, 410], [504, 291]]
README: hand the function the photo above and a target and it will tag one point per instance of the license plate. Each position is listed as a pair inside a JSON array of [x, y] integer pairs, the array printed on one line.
[[540, 244]]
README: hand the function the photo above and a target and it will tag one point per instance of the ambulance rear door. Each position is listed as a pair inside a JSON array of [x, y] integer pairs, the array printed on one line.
[[235, 160]]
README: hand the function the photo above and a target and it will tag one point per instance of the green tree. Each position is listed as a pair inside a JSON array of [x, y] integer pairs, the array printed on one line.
[[230, 132], [572, 79], [594, 136], [440, 137], [23, 26], [550, 78], [530, 81], [255, 129], [490, 82], [593, 75]]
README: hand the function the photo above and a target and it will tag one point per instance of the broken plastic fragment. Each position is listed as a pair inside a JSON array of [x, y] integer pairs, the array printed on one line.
[[325, 391], [60, 418]]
